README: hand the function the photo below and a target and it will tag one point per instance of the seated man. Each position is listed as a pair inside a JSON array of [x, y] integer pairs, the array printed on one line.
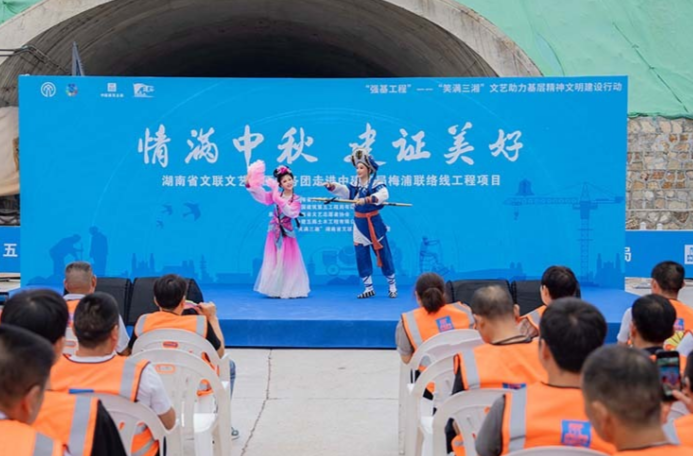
[[652, 323], [667, 280], [508, 359], [169, 295], [80, 281], [681, 430], [556, 282], [623, 401], [25, 364], [552, 413], [80, 423], [96, 368]]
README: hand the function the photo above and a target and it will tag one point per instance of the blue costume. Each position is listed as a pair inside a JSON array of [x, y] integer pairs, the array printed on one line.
[[369, 229]]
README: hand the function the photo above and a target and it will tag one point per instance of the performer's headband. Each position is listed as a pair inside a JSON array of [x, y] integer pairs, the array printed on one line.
[[361, 156]]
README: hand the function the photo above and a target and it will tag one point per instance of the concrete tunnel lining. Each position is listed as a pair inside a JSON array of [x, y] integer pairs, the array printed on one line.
[[263, 38]]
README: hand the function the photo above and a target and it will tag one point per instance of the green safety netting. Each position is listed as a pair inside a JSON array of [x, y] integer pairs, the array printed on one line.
[[9, 8], [650, 41]]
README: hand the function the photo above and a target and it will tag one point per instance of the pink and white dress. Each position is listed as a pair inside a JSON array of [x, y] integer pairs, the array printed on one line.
[[283, 273]]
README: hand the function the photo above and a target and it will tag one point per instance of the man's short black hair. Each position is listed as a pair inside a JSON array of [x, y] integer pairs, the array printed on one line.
[[627, 382], [654, 318], [95, 317], [493, 302], [43, 312], [669, 275], [169, 290], [25, 361], [560, 281], [572, 328]]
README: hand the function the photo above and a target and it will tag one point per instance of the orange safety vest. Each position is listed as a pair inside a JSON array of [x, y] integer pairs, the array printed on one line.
[[509, 366], [542, 415], [420, 326], [70, 419], [534, 317], [19, 439], [166, 320], [680, 431], [118, 375], [684, 322], [661, 450]]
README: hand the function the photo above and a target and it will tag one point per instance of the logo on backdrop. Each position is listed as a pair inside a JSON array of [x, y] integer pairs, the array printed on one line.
[[112, 91], [48, 89], [143, 90], [688, 254], [71, 90]]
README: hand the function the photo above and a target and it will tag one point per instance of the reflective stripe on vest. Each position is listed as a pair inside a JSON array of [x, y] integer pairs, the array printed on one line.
[[471, 373], [670, 431], [413, 328], [80, 425], [467, 311], [139, 326], [128, 384], [518, 411], [44, 446]]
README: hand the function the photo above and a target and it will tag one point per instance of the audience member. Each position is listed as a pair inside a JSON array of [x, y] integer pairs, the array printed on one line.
[[623, 400], [552, 413], [652, 322], [81, 423], [25, 364], [667, 280], [508, 359], [80, 281], [556, 282], [169, 296], [95, 367], [432, 317]]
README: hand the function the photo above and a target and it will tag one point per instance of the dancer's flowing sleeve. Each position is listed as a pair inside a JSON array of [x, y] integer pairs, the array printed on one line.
[[254, 181], [290, 209], [341, 191], [261, 195]]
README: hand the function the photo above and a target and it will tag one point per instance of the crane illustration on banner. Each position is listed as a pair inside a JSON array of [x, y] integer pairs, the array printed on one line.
[[585, 203]]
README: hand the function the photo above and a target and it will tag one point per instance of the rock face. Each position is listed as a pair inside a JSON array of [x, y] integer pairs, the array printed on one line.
[[660, 173]]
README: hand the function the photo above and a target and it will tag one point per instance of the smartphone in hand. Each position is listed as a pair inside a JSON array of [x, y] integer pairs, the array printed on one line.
[[669, 366]]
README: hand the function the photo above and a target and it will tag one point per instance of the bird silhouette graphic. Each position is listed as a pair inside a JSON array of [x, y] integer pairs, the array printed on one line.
[[193, 210], [168, 209], [159, 224]]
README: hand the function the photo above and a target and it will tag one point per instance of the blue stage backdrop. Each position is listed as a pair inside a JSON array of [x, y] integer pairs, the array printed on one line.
[[143, 176]]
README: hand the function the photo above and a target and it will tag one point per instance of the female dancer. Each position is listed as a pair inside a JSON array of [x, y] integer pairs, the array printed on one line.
[[283, 274], [369, 228]]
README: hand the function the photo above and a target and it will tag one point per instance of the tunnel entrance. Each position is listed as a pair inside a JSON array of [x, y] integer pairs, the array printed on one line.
[[269, 38]]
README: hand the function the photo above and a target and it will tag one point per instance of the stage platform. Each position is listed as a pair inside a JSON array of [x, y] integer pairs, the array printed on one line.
[[332, 317]]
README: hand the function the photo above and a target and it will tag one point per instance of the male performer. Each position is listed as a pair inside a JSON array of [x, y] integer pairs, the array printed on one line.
[[369, 228]]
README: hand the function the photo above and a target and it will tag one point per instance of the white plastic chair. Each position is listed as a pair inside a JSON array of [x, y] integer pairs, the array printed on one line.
[[130, 416], [468, 409], [178, 339], [557, 451], [70, 342], [183, 340], [181, 373], [442, 346]]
